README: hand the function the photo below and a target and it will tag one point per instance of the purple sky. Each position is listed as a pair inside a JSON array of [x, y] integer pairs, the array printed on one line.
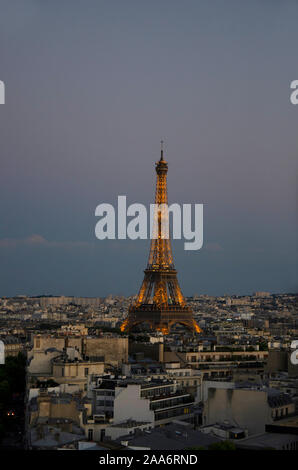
[[91, 88]]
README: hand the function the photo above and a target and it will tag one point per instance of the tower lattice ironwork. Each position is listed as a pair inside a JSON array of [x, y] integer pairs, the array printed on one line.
[[160, 302]]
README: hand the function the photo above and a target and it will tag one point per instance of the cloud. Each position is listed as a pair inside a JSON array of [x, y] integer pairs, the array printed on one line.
[[38, 240]]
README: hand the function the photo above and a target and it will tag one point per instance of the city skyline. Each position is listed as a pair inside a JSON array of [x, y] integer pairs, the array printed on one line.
[[148, 230], [86, 106]]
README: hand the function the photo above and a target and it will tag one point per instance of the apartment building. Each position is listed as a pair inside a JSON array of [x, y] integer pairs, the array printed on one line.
[[244, 405], [149, 401]]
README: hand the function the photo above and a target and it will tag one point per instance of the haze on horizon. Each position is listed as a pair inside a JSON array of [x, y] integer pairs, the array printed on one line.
[[92, 87]]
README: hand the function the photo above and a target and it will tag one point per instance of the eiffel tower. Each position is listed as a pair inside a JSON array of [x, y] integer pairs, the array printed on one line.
[[160, 302]]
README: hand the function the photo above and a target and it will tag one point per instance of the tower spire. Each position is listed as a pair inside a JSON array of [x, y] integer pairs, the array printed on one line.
[[161, 150]]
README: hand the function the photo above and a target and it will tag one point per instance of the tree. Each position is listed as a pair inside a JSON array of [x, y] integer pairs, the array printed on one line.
[[224, 445]]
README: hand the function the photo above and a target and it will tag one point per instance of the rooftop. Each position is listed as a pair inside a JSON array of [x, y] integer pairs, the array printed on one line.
[[267, 440], [171, 437]]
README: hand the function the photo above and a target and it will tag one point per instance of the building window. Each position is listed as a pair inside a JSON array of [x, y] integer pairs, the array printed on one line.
[[90, 434], [86, 371]]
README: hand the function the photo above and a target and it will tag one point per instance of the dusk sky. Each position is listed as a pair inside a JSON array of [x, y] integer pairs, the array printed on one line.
[[92, 87]]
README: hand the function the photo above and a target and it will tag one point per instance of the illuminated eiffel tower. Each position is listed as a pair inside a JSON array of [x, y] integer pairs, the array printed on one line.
[[160, 302]]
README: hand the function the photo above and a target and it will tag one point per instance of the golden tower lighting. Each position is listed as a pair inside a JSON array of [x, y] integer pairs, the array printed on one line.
[[160, 302]]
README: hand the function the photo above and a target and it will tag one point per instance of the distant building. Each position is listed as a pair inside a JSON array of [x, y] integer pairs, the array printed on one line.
[[262, 294], [53, 420], [62, 300], [250, 407], [111, 349], [12, 345]]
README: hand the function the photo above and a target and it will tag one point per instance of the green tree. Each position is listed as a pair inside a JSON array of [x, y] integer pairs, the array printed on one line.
[[224, 445]]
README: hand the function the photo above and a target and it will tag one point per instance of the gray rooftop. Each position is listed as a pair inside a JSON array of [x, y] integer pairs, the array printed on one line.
[[267, 440], [171, 437]]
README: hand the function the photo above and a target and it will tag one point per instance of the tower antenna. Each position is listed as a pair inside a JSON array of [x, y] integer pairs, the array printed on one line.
[[161, 149]]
